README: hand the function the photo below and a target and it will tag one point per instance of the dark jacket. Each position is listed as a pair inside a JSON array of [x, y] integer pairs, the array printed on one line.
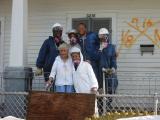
[[47, 54], [108, 61], [89, 48], [108, 57]]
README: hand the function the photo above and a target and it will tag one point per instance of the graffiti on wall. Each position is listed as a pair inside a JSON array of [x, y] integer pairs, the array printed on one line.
[[147, 28]]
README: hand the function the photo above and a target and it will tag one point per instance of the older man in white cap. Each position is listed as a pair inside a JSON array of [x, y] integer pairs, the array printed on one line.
[[49, 51]]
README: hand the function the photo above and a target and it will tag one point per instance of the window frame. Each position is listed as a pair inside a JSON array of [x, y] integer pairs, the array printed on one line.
[[98, 14], [2, 44]]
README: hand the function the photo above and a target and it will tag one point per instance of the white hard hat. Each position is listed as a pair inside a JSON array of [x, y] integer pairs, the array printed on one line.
[[57, 25], [72, 31], [103, 31]]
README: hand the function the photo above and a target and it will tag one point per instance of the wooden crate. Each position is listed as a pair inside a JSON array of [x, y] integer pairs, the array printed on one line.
[[60, 106]]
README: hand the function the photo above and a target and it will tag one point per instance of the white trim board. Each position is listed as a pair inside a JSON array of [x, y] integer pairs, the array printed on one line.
[[149, 11], [2, 45]]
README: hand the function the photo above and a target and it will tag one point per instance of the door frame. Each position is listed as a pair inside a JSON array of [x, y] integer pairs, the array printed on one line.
[[98, 14], [2, 43]]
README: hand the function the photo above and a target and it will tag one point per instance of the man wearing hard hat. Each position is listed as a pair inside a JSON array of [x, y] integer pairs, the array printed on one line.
[[49, 51], [107, 64]]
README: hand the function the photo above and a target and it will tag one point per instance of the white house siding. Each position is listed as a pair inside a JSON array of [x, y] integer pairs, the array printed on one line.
[[145, 77], [5, 14], [133, 69]]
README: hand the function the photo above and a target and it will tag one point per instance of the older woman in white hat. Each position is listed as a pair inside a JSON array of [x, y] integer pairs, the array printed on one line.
[[84, 78]]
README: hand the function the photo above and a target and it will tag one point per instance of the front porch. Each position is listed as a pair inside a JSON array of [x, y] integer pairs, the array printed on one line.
[[127, 101]]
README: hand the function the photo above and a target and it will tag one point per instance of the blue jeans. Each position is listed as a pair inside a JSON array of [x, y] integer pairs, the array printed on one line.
[[65, 89]]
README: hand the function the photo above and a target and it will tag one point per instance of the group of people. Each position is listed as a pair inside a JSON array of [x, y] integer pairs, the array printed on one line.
[[78, 66]]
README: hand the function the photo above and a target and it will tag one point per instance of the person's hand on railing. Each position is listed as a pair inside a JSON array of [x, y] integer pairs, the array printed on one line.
[[109, 71], [113, 70], [38, 72], [100, 91], [49, 83], [94, 90]]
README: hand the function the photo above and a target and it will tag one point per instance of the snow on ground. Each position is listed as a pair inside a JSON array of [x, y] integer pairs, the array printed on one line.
[[133, 118], [10, 118], [142, 118]]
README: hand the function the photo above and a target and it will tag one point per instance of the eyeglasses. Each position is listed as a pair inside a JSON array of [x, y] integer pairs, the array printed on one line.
[[58, 29]]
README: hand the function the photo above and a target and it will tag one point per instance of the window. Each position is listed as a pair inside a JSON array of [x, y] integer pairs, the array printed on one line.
[[94, 24]]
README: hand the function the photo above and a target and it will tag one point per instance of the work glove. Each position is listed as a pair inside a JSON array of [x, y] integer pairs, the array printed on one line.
[[109, 71], [38, 72]]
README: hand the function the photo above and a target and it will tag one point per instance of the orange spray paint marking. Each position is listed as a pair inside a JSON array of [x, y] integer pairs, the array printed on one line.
[[128, 40]]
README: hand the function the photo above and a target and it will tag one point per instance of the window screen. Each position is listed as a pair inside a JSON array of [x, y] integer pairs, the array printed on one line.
[[76, 21]]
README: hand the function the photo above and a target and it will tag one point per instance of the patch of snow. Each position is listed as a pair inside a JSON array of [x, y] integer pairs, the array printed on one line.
[[10, 118], [154, 117]]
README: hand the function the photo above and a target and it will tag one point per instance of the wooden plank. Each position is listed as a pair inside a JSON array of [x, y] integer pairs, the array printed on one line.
[[59, 106]]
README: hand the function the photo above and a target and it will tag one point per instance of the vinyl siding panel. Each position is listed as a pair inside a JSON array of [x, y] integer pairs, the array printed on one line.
[[45, 13], [5, 13]]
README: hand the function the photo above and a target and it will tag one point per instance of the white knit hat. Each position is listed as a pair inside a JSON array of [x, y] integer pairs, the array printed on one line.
[[75, 50]]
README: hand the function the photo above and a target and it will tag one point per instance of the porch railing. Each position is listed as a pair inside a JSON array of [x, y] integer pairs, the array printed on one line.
[[138, 83], [137, 94], [15, 104]]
